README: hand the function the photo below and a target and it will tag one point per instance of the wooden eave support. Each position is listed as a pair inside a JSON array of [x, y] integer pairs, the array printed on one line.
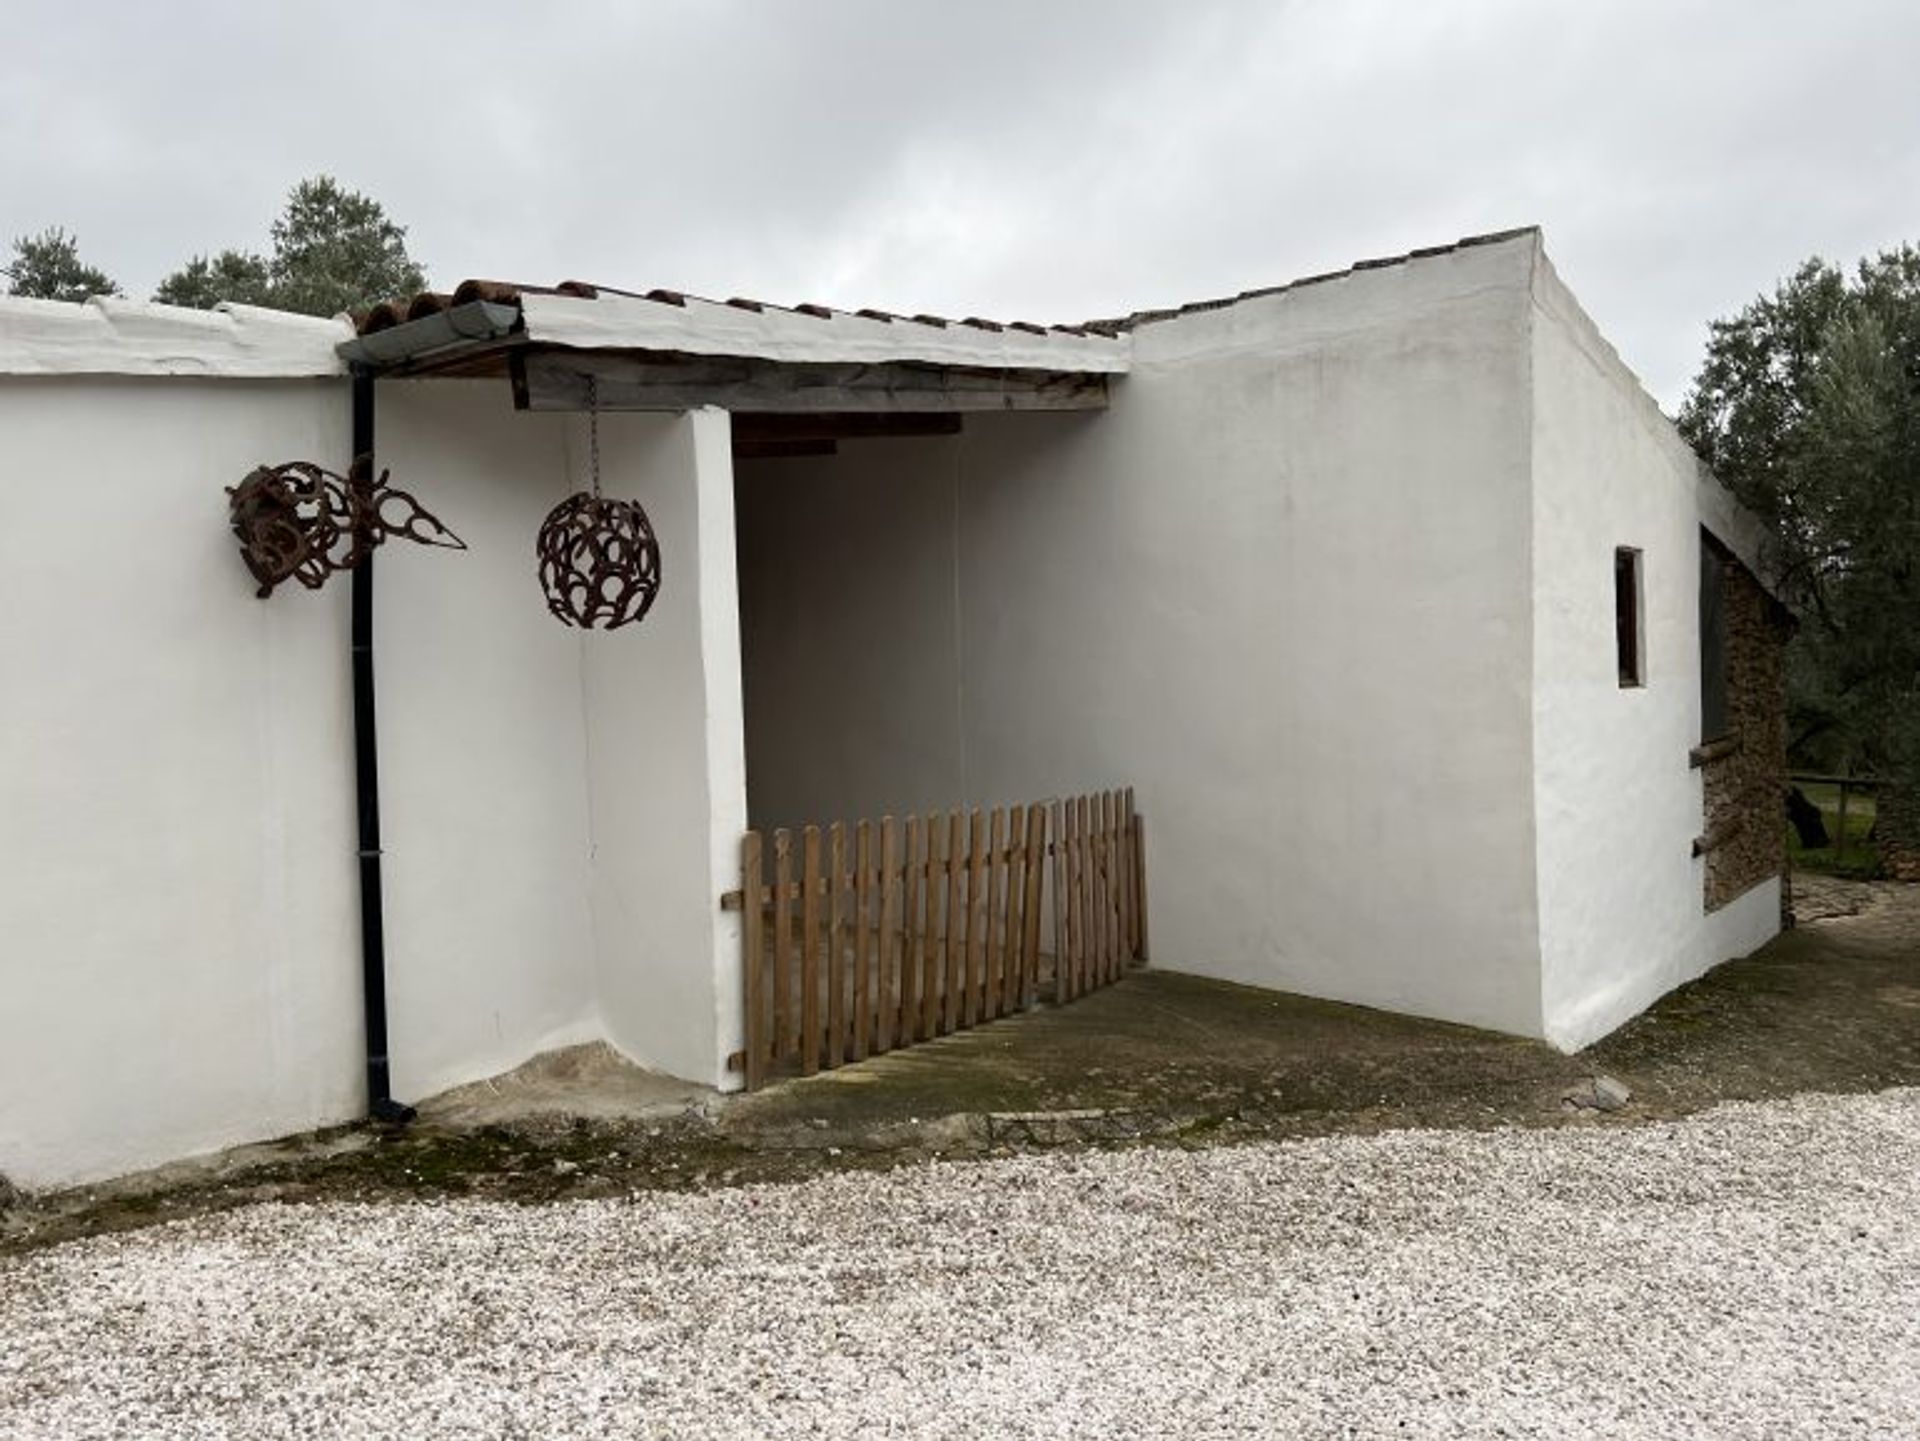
[[1712, 751], [1717, 837], [859, 425], [557, 380]]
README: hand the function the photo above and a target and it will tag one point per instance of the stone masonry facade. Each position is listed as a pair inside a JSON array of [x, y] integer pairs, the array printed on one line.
[[1743, 774]]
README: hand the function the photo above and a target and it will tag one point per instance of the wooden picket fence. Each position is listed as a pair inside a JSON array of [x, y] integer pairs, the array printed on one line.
[[870, 936]]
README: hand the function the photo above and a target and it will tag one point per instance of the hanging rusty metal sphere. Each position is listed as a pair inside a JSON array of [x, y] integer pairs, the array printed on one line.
[[599, 561]]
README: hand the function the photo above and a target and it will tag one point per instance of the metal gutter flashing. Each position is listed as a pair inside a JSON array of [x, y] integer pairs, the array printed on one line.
[[460, 327]]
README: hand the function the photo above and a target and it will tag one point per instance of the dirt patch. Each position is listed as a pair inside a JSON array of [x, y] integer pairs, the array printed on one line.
[[1161, 1059]]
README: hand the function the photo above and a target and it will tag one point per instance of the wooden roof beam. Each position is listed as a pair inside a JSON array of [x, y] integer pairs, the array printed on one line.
[[558, 380]]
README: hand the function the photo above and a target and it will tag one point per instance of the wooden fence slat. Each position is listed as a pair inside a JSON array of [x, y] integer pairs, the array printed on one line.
[[753, 946], [973, 955], [1143, 944], [937, 932], [837, 960], [810, 950], [1062, 841], [954, 936], [782, 943], [1070, 898], [1030, 917], [1103, 890], [1089, 893], [1102, 875], [993, 960], [886, 980], [864, 924], [912, 934], [936, 893], [930, 939], [1116, 908], [1012, 998], [1088, 954]]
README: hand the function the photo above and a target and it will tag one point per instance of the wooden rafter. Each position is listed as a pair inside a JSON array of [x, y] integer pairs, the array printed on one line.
[[558, 380]]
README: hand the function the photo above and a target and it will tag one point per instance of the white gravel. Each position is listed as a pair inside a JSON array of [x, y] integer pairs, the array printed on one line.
[[1751, 1272]]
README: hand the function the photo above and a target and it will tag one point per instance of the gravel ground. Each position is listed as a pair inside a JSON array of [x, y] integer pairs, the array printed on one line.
[[1754, 1271]]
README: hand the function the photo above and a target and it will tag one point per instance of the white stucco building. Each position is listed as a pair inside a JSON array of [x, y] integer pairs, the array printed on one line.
[[1341, 577]]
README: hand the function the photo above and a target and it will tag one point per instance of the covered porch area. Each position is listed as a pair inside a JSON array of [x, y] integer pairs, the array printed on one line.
[[797, 700]]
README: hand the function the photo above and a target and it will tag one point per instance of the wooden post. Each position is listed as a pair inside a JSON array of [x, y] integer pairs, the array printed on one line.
[[1840, 832], [752, 930], [1129, 861]]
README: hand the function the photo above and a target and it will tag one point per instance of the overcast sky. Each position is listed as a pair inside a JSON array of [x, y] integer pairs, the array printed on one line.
[[1049, 160]]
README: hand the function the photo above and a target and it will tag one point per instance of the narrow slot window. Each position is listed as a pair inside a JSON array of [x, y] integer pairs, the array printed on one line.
[[1628, 622], [1713, 642]]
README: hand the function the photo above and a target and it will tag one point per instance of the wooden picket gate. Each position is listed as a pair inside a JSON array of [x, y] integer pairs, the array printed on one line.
[[878, 935]]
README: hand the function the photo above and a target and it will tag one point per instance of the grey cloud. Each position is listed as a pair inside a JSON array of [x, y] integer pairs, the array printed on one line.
[[1048, 161]]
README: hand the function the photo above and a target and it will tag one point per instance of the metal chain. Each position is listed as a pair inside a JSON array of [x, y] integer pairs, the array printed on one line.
[[593, 432]]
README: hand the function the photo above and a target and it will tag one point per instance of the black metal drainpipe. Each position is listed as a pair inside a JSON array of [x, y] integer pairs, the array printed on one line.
[[366, 751]]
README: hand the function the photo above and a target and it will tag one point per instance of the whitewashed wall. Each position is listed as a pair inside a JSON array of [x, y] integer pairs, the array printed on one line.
[[1281, 587], [483, 751], [665, 766], [178, 895], [178, 924], [1622, 918], [848, 584]]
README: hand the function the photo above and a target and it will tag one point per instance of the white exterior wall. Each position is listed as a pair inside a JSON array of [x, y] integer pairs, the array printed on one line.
[[1622, 916], [178, 924], [666, 769], [483, 751], [848, 584], [1281, 587], [178, 891]]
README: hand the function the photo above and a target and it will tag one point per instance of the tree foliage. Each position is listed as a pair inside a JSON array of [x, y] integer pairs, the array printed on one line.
[[333, 250], [203, 282], [47, 266], [1808, 407]]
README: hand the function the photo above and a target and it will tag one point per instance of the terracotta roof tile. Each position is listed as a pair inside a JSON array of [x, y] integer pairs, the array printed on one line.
[[396, 312]]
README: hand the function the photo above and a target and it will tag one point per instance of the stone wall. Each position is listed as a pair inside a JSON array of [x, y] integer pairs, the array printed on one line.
[[1744, 772]]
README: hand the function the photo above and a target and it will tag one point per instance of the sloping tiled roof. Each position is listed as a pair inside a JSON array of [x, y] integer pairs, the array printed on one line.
[[506, 292], [579, 315], [110, 335]]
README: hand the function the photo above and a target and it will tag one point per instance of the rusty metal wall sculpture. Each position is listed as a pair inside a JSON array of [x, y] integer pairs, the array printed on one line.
[[301, 522], [599, 559]]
